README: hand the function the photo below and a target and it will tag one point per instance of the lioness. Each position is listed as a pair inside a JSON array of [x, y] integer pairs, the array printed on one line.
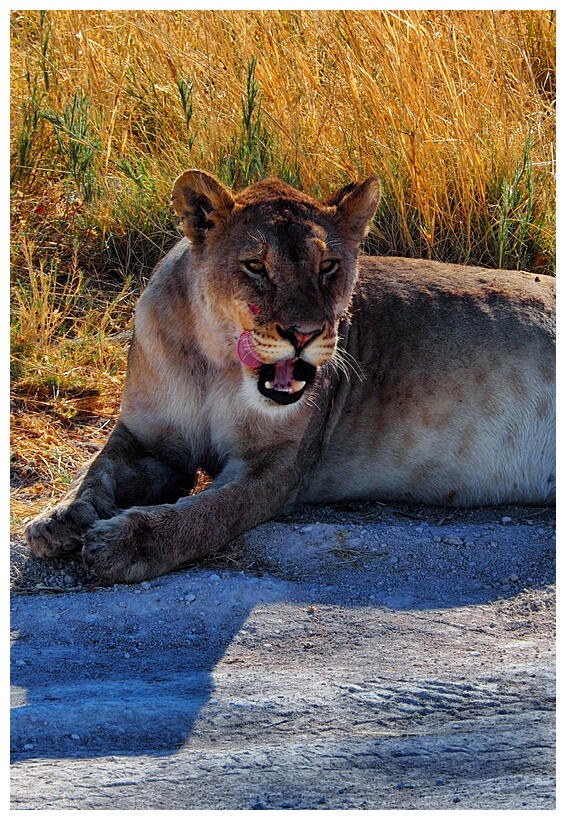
[[268, 354]]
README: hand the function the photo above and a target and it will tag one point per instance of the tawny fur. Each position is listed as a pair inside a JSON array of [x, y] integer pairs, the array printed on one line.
[[434, 383]]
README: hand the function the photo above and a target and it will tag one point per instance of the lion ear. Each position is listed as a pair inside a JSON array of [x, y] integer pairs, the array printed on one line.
[[355, 206], [202, 202]]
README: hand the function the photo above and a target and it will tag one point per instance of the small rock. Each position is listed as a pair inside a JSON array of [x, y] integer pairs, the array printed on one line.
[[259, 805], [506, 519], [452, 540], [28, 747], [190, 598], [75, 737], [145, 585]]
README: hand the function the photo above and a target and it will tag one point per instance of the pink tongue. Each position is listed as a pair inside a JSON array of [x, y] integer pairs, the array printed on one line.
[[283, 379], [246, 350], [283, 376]]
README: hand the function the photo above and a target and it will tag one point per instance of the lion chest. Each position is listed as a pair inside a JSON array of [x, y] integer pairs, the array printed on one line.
[[207, 423]]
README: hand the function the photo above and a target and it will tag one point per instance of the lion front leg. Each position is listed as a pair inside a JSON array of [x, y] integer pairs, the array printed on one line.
[[142, 543], [122, 474]]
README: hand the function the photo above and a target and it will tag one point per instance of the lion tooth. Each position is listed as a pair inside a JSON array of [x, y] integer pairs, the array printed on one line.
[[297, 386], [269, 385]]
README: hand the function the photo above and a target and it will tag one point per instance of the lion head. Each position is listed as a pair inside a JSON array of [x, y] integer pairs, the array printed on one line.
[[276, 270]]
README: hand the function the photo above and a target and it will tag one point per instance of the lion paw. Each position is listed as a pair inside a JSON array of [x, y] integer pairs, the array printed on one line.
[[122, 549], [60, 530]]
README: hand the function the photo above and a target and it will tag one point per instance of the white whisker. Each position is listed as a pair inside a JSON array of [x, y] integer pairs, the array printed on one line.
[[347, 364]]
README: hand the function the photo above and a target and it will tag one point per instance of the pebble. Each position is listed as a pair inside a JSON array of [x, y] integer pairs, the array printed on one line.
[[506, 519], [453, 540], [214, 577], [28, 747], [145, 585], [190, 598]]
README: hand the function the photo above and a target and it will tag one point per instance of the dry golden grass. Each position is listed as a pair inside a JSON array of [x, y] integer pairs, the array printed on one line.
[[455, 110], [441, 104]]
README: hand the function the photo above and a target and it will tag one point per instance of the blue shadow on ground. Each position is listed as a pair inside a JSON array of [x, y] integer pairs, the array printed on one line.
[[127, 672]]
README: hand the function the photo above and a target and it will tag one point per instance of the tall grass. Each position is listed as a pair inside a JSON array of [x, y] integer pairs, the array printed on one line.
[[455, 110], [446, 106]]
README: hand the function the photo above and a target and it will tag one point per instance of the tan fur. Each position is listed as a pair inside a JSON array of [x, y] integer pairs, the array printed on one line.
[[431, 383]]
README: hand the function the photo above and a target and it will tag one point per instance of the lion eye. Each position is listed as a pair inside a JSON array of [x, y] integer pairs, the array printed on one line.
[[328, 268], [255, 267]]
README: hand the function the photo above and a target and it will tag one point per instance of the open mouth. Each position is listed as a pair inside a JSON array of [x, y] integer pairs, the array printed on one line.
[[285, 382]]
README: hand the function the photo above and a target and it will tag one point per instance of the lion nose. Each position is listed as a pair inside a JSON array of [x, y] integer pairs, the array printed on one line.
[[299, 337]]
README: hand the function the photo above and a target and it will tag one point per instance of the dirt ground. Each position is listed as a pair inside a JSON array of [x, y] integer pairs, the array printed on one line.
[[362, 657]]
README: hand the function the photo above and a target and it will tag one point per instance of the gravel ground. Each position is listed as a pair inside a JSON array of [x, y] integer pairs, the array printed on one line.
[[354, 657]]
